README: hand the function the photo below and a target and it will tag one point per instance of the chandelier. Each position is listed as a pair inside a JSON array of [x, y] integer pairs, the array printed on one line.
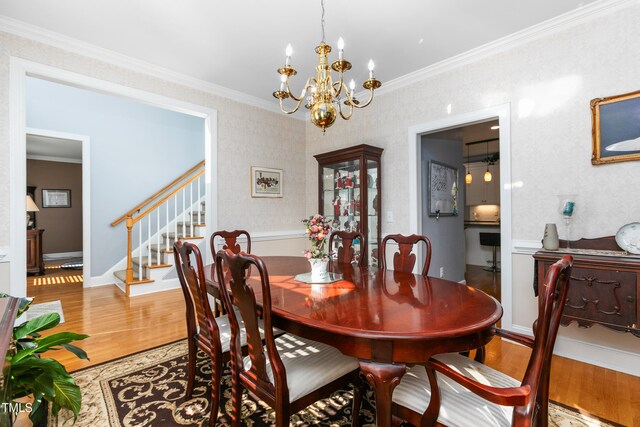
[[326, 97]]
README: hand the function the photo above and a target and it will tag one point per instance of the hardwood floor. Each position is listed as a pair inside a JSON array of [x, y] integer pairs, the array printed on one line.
[[486, 281], [119, 326]]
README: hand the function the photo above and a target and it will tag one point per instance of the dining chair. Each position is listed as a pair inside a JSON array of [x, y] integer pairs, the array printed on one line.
[[404, 260], [458, 391], [289, 373], [204, 331], [346, 252], [230, 240]]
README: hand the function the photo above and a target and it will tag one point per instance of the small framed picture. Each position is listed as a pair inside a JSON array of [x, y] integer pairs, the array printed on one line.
[[443, 189], [616, 128], [56, 198], [266, 182]]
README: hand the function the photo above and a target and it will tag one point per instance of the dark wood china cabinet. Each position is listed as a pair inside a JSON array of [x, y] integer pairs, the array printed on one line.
[[349, 194]]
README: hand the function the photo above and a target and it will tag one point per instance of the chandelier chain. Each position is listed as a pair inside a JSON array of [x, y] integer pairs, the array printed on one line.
[[322, 20]]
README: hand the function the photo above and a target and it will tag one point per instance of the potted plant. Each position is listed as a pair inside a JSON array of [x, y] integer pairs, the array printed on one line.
[[45, 379]]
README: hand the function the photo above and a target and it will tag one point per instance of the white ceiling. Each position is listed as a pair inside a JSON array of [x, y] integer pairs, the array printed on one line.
[[54, 149], [240, 44]]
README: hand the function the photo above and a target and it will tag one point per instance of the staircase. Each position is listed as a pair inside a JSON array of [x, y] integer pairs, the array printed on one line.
[[176, 211]]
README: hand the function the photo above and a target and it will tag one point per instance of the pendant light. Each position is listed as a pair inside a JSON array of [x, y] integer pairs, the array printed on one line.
[[487, 174], [468, 178]]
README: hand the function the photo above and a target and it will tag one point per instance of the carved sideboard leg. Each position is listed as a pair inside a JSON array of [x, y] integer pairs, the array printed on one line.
[[383, 378]]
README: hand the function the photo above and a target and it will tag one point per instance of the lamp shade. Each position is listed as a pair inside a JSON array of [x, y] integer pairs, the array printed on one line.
[[31, 205]]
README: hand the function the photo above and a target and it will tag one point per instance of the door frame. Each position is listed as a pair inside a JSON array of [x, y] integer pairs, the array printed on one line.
[[502, 113], [19, 70], [86, 192]]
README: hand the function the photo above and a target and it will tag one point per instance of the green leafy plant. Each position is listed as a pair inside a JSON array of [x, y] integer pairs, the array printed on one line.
[[45, 378]]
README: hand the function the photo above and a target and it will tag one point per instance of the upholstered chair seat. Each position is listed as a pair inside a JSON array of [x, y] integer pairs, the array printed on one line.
[[458, 405], [309, 364]]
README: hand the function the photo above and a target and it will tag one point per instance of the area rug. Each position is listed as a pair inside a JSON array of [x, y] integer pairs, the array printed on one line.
[[147, 389], [36, 310]]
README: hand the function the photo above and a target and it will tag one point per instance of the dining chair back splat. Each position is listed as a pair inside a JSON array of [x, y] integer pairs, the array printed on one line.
[[211, 335], [230, 241], [289, 373], [404, 260], [346, 252], [459, 399]]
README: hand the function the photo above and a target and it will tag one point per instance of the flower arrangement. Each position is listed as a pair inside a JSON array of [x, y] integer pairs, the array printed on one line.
[[318, 229]]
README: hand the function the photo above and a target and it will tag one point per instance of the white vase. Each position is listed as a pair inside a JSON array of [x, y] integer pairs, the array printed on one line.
[[318, 268], [550, 240]]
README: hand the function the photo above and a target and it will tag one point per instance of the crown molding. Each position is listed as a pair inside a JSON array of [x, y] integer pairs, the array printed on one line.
[[559, 23], [51, 38], [543, 29], [53, 158]]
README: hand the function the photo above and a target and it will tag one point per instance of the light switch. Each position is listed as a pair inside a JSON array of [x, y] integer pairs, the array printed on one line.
[[4, 254]]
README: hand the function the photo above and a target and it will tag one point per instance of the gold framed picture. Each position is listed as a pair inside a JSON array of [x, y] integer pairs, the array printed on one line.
[[616, 128]]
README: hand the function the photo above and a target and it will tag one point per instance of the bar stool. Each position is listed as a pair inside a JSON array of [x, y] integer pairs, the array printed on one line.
[[493, 240]]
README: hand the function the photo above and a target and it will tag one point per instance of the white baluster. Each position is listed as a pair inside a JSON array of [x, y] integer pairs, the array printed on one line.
[[175, 214], [166, 226], [199, 201], [158, 238], [191, 209], [140, 251], [149, 262], [184, 202]]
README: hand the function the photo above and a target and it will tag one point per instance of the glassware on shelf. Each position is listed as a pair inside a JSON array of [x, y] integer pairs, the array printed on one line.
[[567, 210]]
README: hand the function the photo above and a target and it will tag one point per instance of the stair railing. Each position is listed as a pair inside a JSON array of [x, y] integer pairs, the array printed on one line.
[[163, 203]]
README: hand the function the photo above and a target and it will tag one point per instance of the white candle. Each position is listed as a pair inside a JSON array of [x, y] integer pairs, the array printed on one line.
[[352, 86], [283, 80], [340, 48], [288, 52], [371, 65]]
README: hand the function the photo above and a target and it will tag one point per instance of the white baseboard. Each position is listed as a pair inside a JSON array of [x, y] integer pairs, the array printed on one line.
[[61, 255], [594, 354]]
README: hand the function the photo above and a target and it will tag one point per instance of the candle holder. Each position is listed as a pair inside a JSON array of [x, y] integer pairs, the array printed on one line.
[[567, 209]]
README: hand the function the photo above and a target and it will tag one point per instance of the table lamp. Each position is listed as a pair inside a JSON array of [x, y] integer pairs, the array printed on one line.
[[31, 207]]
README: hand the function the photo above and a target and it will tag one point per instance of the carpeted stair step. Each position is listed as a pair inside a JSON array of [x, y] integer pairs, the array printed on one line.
[[162, 248], [145, 262], [122, 276], [187, 224]]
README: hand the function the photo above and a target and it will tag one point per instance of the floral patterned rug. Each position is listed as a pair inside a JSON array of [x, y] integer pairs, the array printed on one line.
[[147, 389]]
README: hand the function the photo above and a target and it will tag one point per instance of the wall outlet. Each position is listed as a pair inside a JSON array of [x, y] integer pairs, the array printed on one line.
[[441, 271]]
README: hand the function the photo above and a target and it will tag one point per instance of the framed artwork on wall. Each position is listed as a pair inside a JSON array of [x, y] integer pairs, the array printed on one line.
[[56, 198], [266, 182], [616, 128], [443, 189]]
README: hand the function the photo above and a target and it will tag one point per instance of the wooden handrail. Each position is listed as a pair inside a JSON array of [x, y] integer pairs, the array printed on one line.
[[168, 196], [157, 194]]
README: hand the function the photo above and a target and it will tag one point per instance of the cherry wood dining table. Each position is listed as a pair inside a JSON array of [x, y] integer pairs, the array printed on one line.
[[385, 318]]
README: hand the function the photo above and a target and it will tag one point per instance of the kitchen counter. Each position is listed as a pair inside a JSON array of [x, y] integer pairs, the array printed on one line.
[[482, 224]]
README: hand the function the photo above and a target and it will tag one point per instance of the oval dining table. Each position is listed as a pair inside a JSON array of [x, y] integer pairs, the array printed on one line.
[[386, 319]]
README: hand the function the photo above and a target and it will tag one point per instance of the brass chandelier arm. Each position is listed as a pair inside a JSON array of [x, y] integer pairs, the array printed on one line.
[[290, 111], [357, 105], [348, 116], [310, 80]]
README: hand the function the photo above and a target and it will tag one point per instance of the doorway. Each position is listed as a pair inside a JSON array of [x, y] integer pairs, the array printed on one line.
[[416, 183], [57, 166], [20, 71], [465, 241]]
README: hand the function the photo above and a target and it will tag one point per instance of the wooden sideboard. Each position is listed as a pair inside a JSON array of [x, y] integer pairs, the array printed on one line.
[[604, 287], [35, 263]]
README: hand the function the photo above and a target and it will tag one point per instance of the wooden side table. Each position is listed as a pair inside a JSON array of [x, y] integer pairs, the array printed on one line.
[[35, 263], [605, 284]]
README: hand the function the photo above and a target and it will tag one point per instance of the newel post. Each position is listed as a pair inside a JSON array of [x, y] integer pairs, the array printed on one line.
[[129, 255]]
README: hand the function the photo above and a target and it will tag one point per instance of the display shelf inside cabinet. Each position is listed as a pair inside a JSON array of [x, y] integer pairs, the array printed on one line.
[[604, 287], [349, 194]]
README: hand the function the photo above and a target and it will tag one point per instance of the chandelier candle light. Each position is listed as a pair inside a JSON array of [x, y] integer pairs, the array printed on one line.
[[325, 100]]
